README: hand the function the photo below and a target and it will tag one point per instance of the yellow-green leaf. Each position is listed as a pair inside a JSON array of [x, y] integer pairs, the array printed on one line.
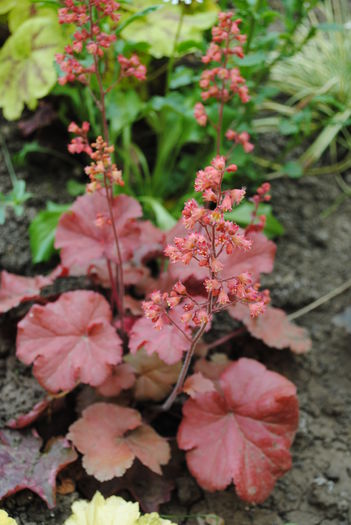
[[159, 28], [27, 70], [6, 6], [22, 10]]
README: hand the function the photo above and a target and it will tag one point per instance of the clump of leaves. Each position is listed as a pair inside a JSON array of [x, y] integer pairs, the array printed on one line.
[[318, 78], [239, 413]]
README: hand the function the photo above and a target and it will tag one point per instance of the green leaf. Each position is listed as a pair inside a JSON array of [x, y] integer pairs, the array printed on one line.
[[42, 231], [253, 59], [293, 169], [122, 108], [6, 6], [159, 28], [242, 216], [24, 10], [75, 188], [19, 194], [331, 26], [26, 65], [182, 76], [136, 16], [287, 127], [163, 218]]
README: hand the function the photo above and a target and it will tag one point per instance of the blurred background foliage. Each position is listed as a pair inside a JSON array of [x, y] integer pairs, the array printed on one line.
[[297, 67]]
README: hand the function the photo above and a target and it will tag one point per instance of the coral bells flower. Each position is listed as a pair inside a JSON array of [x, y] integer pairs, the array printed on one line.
[[200, 114], [90, 38], [111, 511], [131, 67], [102, 165], [80, 143]]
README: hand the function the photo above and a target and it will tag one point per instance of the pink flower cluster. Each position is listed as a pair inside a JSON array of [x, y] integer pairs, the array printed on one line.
[[131, 67], [92, 39], [80, 143], [222, 82], [262, 195], [211, 238], [102, 170], [242, 138]]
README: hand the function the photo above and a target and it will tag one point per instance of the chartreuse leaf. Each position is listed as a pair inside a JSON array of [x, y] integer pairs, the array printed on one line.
[[159, 27], [242, 216], [24, 9], [27, 65], [6, 6], [42, 231]]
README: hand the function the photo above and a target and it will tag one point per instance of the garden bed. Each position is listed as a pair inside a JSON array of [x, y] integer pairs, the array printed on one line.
[[313, 258]]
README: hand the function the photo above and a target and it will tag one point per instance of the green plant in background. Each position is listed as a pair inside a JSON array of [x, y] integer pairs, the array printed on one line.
[[158, 143], [271, 38], [18, 195], [317, 81], [27, 71]]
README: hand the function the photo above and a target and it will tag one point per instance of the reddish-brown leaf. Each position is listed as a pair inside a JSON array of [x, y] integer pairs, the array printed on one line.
[[146, 487], [212, 369], [24, 420], [274, 328], [15, 289], [242, 434], [110, 437], [23, 466], [169, 343], [69, 341], [198, 384], [122, 378], [154, 377], [84, 240]]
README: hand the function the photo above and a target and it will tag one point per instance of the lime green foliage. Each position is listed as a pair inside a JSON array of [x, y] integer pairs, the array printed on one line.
[[14, 199], [27, 65], [42, 231], [158, 29], [6, 5], [22, 10], [319, 77]]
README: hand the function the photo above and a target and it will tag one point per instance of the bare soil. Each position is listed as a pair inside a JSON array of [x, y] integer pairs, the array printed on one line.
[[313, 258]]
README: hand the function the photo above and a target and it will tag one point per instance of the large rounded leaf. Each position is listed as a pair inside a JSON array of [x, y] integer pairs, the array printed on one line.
[[158, 28], [82, 241], [242, 433], [70, 341], [27, 69], [110, 437]]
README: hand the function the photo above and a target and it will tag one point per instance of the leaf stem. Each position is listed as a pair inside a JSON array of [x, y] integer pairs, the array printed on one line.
[[183, 373], [325, 298]]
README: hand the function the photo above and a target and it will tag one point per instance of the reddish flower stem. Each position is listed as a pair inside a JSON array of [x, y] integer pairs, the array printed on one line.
[[119, 297]]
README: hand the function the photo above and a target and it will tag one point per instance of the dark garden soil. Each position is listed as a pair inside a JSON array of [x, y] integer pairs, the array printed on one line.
[[313, 258]]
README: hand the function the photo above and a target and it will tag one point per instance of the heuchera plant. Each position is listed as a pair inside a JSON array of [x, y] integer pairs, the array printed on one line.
[[240, 418]]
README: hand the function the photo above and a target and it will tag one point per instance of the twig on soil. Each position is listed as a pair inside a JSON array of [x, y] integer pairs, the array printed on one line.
[[325, 298]]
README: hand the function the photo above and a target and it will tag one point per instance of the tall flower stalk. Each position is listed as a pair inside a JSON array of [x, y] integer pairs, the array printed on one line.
[[90, 40], [209, 238]]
